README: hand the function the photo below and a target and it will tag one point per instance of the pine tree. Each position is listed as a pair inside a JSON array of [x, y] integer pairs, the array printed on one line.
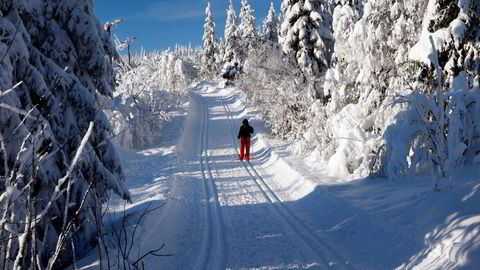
[[60, 53], [270, 25], [209, 65], [231, 39], [306, 34]]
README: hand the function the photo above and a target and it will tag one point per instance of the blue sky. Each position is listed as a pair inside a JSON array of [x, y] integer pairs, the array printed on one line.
[[159, 24]]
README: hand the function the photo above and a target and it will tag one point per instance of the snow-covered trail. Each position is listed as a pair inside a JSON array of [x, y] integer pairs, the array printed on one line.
[[222, 213], [239, 220]]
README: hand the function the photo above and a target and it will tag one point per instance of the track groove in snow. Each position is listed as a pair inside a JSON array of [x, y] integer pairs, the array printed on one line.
[[258, 236], [212, 256]]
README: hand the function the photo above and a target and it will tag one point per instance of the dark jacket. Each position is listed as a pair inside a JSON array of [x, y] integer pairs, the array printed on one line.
[[246, 131]]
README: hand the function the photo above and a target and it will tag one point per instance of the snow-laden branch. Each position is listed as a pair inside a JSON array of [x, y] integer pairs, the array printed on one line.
[[16, 110], [11, 89], [57, 192], [62, 180]]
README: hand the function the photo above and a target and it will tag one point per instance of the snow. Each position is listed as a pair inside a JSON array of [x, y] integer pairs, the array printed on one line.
[[423, 50], [146, 94], [461, 82], [354, 89], [230, 37], [271, 25], [337, 165], [277, 211], [458, 30]]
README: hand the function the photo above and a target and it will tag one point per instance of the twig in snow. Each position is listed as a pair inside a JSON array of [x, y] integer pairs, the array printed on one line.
[[153, 252], [145, 212]]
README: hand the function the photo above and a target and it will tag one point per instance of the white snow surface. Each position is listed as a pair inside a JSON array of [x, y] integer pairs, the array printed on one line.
[[276, 212]]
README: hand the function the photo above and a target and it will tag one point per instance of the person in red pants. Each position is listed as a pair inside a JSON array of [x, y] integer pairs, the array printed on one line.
[[245, 135]]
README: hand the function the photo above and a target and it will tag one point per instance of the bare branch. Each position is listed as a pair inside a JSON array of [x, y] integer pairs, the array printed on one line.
[[57, 191], [69, 172], [153, 252], [146, 211]]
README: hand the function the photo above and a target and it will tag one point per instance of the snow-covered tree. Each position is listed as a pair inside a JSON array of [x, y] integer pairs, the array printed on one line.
[[146, 95], [306, 34], [271, 25], [403, 79], [370, 64], [454, 28], [231, 39], [438, 128], [246, 32], [58, 161], [247, 28], [209, 50], [383, 50], [220, 52], [272, 82]]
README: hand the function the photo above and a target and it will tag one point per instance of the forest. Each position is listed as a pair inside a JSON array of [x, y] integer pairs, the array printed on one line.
[[382, 90]]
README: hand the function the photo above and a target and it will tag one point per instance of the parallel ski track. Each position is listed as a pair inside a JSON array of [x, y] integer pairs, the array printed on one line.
[[213, 252], [313, 241]]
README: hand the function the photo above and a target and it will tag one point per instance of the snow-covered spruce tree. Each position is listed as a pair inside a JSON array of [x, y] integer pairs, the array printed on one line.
[[220, 52], [231, 39], [455, 30], [439, 129], [306, 34], [280, 18], [59, 51], [246, 31], [271, 26], [209, 61], [370, 64], [247, 27], [371, 50], [374, 63]]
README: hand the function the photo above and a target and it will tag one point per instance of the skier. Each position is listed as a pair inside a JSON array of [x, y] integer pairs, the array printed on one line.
[[244, 135]]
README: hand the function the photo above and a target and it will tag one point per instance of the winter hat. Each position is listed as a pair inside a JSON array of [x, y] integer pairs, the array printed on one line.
[[245, 121]]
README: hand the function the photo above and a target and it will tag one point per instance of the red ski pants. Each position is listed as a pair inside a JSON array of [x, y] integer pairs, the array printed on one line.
[[245, 147]]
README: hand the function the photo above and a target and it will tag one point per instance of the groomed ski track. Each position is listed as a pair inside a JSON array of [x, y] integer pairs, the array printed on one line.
[[218, 212], [240, 221], [215, 212]]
